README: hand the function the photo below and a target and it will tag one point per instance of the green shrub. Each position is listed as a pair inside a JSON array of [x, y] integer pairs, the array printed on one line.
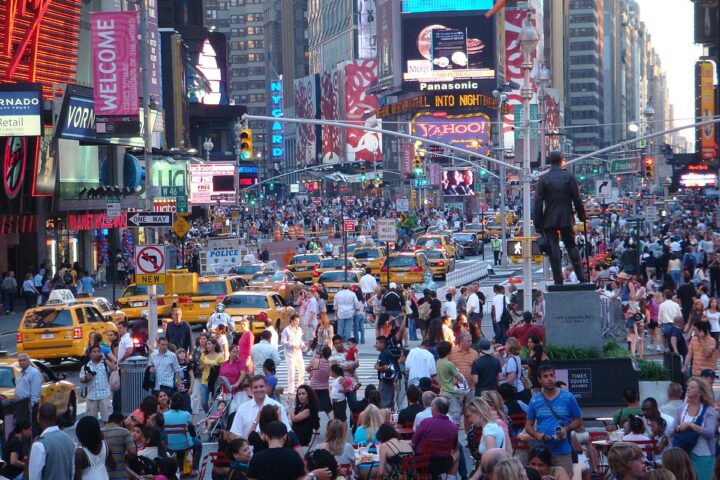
[[649, 371]]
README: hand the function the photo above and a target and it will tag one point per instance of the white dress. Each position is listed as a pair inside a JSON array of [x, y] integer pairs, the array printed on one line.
[[97, 469]]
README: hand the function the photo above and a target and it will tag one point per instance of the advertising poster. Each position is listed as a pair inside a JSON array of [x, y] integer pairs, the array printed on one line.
[[470, 131], [45, 168], [705, 109], [447, 64], [78, 168], [18, 154], [421, 6], [458, 182], [211, 183], [513, 57], [330, 110], [384, 40], [360, 108], [306, 107], [20, 111], [367, 33]]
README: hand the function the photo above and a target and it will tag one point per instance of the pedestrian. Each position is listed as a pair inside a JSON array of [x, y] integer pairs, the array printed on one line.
[[28, 385], [29, 292], [178, 331], [345, 304], [388, 371], [101, 273], [496, 245], [120, 443], [51, 455], [164, 364], [93, 457], [262, 351], [87, 284], [9, 290], [292, 340], [96, 381]]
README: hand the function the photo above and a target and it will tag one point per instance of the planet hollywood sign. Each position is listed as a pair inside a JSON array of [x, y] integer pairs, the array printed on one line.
[[276, 130]]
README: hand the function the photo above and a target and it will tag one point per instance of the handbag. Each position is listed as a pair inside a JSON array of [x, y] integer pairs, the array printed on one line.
[[688, 438], [148, 379], [505, 317], [114, 379], [461, 386]]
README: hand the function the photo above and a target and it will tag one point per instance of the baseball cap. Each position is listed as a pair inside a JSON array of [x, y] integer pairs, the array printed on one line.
[[485, 346], [707, 372], [393, 285]]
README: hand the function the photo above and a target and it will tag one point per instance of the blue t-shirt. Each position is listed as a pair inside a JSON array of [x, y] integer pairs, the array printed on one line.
[[87, 284], [565, 406], [494, 430], [176, 442], [361, 436], [271, 383]]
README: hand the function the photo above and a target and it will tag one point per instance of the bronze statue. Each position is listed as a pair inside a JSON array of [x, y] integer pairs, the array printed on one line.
[[557, 191]]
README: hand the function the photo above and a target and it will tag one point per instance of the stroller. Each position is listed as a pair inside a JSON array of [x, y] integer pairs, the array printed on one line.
[[216, 419]]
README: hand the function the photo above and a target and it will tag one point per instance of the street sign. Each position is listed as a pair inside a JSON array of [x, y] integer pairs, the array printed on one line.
[[148, 219], [517, 247], [181, 204], [603, 189], [113, 208], [219, 212], [150, 264], [387, 230], [402, 205], [181, 227], [349, 201], [625, 165], [651, 212], [350, 225], [317, 201], [174, 191]]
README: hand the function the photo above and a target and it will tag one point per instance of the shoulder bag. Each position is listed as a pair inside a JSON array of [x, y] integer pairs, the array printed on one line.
[[688, 438]]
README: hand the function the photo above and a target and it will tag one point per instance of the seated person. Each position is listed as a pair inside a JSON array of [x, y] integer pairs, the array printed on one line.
[[212, 419], [391, 451], [239, 459], [438, 437], [636, 426], [623, 415], [406, 417], [322, 459]]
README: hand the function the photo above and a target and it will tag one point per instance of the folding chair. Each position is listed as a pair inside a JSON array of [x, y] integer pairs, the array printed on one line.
[[415, 467], [598, 459], [216, 459]]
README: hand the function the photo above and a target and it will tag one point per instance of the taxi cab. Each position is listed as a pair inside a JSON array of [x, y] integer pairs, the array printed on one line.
[[55, 389], [246, 271], [134, 300], [335, 263], [476, 228], [440, 241], [593, 209], [441, 263], [493, 228], [256, 307], [407, 267], [198, 306], [105, 307], [616, 208], [370, 256], [281, 281], [302, 265], [60, 329], [333, 280]]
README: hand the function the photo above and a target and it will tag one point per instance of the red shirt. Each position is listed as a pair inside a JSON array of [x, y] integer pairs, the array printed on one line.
[[526, 330]]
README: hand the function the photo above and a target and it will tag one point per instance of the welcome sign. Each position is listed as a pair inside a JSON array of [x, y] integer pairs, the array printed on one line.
[[20, 111]]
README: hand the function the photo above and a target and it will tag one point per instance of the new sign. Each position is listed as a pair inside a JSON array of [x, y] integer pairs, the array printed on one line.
[[20, 110]]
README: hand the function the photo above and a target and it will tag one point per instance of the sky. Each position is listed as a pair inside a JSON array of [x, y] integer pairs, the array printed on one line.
[[671, 26]]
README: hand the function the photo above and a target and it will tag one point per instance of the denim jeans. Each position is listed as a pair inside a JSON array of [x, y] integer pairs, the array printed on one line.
[[412, 327], [204, 397], [359, 327], [345, 327]]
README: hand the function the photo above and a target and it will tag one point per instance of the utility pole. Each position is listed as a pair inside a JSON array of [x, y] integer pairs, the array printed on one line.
[[501, 98]]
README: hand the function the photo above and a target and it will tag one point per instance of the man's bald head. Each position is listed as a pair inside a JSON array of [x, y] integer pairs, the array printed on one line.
[[491, 458]]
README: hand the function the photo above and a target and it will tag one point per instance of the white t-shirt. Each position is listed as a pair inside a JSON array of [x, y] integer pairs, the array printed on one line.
[[450, 309], [125, 343], [473, 304], [714, 320], [498, 303], [420, 363], [336, 390]]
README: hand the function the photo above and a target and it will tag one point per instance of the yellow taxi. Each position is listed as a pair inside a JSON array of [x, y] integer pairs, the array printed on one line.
[[198, 306], [440, 241], [407, 267], [441, 263], [616, 208], [61, 328], [256, 307], [333, 280], [593, 209], [55, 389], [134, 300], [281, 281], [105, 307], [246, 271], [303, 265], [335, 263], [370, 256], [476, 228]]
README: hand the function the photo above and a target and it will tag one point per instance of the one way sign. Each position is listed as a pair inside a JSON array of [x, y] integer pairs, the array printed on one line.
[[603, 189], [150, 219]]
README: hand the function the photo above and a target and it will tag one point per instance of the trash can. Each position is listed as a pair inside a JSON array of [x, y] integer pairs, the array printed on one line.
[[132, 371]]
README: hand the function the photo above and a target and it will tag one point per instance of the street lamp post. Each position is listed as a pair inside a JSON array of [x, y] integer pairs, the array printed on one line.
[[528, 39], [501, 98], [237, 129]]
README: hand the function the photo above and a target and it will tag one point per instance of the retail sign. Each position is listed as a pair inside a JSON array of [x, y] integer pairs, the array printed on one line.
[[150, 219], [470, 131], [705, 109], [10, 224], [20, 110], [211, 183], [387, 230], [150, 264], [113, 208], [94, 221], [276, 130]]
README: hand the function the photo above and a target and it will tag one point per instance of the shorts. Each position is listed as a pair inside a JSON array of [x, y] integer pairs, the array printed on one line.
[[324, 404], [652, 325], [629, 323], [340, 410]]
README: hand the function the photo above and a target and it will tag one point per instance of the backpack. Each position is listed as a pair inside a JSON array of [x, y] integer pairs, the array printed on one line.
[[67, 277], [424, 311], [144, 466]]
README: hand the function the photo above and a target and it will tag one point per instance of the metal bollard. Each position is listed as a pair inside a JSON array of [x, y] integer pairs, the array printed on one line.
[[132, 371]]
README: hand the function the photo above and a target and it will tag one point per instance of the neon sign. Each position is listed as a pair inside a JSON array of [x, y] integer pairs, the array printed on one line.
[[276, 132]]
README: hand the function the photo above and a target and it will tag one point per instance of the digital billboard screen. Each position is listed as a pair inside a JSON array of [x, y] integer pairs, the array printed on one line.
[[457, 183], [447, 52], [211, 183], [428, 6]]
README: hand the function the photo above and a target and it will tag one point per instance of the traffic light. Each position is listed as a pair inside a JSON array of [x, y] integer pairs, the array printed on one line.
[[483, 170], [596, 168], [246, 151], [649, 167], [363, 175], [417, 171]]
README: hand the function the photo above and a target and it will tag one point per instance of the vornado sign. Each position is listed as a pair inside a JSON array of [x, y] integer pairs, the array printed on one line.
[[20, 110]]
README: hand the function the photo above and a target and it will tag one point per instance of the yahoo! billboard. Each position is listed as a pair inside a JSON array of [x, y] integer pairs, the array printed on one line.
[[471, 131]]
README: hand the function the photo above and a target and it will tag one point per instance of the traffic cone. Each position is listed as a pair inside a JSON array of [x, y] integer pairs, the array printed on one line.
[[300, 232], [277, 235]]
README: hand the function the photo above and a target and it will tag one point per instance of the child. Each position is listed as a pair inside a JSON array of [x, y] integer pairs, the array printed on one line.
[[186, 377], [630, 328], [636, 426], [211, 420], [339, 386], [658, 426], [352, 358], [167, 468], [449, 308], [270, 378]]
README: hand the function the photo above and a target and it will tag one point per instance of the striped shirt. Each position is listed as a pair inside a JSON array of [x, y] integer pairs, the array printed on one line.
[[166, 366], [699, 361], [463, 361], [99, 387], [119, 440]]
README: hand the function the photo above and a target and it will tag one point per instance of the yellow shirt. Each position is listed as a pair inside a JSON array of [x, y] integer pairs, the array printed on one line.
[[209, 363]]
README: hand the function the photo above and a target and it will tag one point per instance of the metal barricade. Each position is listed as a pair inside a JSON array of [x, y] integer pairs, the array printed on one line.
[[132, 371]]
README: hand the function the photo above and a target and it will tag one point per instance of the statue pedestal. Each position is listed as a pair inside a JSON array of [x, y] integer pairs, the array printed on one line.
[[572, 316]]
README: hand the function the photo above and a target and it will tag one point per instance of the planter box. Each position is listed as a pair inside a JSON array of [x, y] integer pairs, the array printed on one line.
[[656, 389], [597, 382]]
